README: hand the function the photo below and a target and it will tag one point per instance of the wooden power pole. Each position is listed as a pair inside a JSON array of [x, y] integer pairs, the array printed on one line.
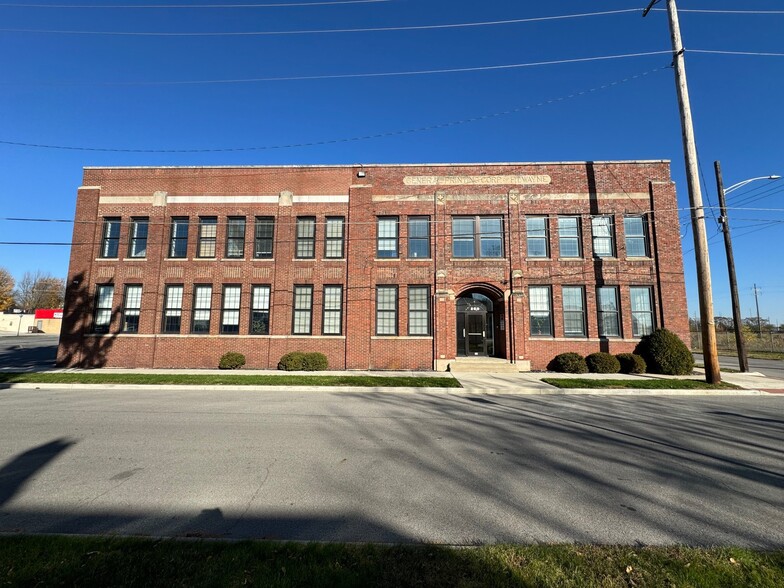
[[709, 351]]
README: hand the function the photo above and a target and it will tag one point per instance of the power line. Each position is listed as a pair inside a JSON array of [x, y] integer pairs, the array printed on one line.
[[381, 135], [717, 52], [718, 11], [191, 6], [324, 31], [355, 75]]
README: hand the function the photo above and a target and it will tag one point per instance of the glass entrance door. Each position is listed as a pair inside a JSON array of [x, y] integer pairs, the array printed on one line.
[[476, 340]]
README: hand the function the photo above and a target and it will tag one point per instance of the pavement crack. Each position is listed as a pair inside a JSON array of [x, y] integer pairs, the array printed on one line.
[[253, 496]]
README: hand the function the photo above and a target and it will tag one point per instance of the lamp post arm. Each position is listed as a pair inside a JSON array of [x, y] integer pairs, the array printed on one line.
[[744, 182]]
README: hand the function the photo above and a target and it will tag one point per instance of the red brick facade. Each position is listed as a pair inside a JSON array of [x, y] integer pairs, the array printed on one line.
[[451, 263]]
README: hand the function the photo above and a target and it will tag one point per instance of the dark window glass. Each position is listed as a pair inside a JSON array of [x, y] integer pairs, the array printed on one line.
[[636, 236], [260, 311], [235, 237], [172, 309], [418, 237], [303, 310], [306, 238], [541, 315], [208, 234], [333, 310], [202, 306], [419, 310], [110, 245], [569, 236], [178, 246], [230, 310], [536, 230], [477, 236], [132, 305], [265, 230], [386, 310], [333, 237], [387, 239], [104, 298], [137, 245]]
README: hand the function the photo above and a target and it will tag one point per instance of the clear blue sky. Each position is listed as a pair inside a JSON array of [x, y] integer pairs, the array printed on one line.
[[82, 90]]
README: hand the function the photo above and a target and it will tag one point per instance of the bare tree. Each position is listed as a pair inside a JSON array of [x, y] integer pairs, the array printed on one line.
[[40, 290], [6, 289]]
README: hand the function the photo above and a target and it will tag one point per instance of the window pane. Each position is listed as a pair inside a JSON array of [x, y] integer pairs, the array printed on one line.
[[386, 310], [303, 301], [259, 317], [463, 248], [540, 298], [306, 227], [179, 238], [463, 227], [573, 298], [490, 248], [419, 310]]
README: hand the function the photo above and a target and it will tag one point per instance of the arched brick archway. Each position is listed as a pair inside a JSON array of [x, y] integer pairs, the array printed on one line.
[[480, 322]]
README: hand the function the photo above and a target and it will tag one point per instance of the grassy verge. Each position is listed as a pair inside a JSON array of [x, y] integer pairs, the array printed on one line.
[[70, 561], [643, 383], [229, 379]]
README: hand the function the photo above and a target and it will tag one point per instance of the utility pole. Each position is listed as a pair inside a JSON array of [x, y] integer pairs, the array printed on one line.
[[743, 360], [710, 353], [759, 321]]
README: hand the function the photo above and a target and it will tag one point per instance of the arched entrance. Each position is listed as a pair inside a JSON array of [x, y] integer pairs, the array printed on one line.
[[480, 322]]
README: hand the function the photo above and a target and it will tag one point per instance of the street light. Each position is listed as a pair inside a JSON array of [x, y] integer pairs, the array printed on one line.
[[743, 360]]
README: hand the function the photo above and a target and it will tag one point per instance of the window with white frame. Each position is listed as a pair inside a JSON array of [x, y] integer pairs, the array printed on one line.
[[419, 310], [110, 244], [602, 231], [386, 310], [260, 310], [306, 237], [569, 236], [202, 309], [574, 311], [264, 235], [477, 236], [333, 237], [387, 237], [132, 305], [332, 321], [208, 236], [418, 237], [536, 236], [104, 298], [541, 316], [178, 243], [137, 244], [636, 233], [235, 237], [609, 311], [642, 311], [172, 309], [230, 310], [303, 310]]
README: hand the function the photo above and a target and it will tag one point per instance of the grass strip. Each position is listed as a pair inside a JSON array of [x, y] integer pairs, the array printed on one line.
[[229, 380], [75, 561], [643, 383]]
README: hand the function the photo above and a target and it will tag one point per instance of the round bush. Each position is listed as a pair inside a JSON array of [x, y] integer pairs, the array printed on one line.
[[568, 363], [297, 361], [602, 363], [314, 362], [231, 361], [665, 353], [631, 363]]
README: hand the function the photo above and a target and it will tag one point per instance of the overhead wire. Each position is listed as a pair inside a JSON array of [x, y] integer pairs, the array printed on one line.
[[192, 6]]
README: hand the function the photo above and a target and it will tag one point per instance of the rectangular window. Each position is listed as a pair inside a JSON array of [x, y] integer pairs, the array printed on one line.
[[230, 310], [387, 239], [541, 317], [235, 237], [202, 306], [260, 311], [642, 312], [178, 244], [569, 236], [477, 236], [303, 310], [208, 235], [265, 231], [172, 309], [386, 310], [634, 227], [536, 231], [132, 305], [333, 237], [419, 237], [332, 323], [110, 245], [419, 310], [137, 244], [306, 237], [609, 313], [602, 230], [574, 311], [104, 298]]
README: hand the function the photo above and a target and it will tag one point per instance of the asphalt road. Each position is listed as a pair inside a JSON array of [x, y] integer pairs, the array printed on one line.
[[773, 368], [394, 467], [28, 352]]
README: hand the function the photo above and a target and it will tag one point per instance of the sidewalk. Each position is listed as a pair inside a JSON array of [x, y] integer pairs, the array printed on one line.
[[524, 383]]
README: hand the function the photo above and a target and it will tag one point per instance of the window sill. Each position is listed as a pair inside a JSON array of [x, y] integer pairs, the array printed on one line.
[[569, 259], [405, 337], [263, 259], [646, 258], [176, 259], [427, 259], [386, 259], [204, 259], [480, 259], [134, 259], [233, 259], [311, 259], [608, 258], [529, 259], [107, 259], [340, 259]]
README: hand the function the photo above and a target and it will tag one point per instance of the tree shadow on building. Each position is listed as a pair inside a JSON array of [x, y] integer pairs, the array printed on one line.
[[80, 347]]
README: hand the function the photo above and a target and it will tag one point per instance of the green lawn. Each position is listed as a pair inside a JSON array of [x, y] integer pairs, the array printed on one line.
[[99, 562], [643, 383], [230, 379]]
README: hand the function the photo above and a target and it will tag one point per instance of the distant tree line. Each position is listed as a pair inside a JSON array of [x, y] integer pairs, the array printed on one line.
[[749, 326], [35, 290]]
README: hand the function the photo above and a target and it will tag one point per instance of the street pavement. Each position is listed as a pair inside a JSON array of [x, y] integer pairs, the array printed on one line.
[[773, 368], [25, 352], [338, 465]]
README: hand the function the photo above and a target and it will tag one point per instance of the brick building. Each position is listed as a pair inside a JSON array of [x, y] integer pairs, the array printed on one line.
[[376, 266]]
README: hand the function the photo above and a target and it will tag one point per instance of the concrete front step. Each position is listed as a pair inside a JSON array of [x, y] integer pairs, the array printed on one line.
[[488, 365]]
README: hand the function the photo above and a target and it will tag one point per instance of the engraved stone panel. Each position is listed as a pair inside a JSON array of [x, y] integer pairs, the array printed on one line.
[[515, 180]]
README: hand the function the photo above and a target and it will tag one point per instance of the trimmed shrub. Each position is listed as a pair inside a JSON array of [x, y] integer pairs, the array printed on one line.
[[665, 353], [631, 363], [602, 363], [568, 363], [297, 361], [231, 361]]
